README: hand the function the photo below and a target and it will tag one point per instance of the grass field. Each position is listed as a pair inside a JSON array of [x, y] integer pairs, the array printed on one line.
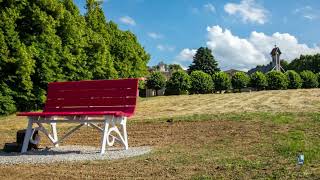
[[217, 136]]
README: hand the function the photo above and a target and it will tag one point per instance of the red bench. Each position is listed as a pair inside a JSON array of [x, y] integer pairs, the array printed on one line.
[[88, 103]]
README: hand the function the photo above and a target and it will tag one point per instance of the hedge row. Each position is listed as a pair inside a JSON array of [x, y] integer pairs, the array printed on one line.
[[199, 82]]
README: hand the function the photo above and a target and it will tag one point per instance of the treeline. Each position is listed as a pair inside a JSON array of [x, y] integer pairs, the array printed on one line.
[[44, 41], [205, 77]]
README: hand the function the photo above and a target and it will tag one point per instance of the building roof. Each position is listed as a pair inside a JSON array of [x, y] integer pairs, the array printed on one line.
[[275, 50]]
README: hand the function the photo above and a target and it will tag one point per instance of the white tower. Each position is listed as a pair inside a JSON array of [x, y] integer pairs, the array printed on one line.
[[275, 54]]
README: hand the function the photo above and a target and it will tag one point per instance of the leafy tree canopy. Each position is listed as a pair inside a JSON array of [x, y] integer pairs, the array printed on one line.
[[204, 61]]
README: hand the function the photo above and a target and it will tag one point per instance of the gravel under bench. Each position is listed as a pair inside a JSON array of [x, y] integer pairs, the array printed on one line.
[[70, 153]]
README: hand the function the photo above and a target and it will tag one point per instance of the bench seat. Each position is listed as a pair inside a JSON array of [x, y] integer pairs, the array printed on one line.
[[89, 113]]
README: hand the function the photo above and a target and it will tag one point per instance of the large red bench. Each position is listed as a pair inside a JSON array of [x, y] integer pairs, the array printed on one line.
[[88, 103]]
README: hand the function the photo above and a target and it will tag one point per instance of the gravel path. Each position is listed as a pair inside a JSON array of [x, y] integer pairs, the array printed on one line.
[[70, 153]]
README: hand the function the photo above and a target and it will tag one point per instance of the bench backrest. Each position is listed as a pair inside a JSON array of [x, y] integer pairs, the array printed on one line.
[[95, 95]]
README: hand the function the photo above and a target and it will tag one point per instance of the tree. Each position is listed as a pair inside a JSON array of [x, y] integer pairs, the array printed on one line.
[[309, 79], [240, 80], [318, 75], [156, 81], [204, 61], [306, 62], [175, 67], [276, 80], [258, 81], [201, 83], [179, 83], [295, 81], [221, 80]]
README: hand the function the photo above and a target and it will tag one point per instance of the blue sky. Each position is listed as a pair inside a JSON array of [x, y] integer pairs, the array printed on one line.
[[241, 33]]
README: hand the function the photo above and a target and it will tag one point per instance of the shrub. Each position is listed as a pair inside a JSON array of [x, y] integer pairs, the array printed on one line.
[[240, 80], [7, 104], [156, 81], [201, 83], [221, 81], [179, 83], [142, 84], [276, 80], [318, 75], [258, 81], [294, 79], [309, 79]]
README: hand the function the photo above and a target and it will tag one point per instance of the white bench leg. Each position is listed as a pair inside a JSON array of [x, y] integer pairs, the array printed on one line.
[[27, 136], [124, 132], [55, 134], [104, 136]]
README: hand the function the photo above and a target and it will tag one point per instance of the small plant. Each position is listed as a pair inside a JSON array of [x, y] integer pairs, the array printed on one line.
[[179, 83], [222, 81], [240, 80], [277, 80], [156, 81], [294, 79], [258, 81], [201, 83], [309, 79]]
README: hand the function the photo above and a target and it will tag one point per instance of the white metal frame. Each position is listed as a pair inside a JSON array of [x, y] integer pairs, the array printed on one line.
[[110, 131]]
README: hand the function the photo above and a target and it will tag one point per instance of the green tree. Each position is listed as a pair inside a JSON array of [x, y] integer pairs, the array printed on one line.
[[277, 80], [240, 80], [156, 81], [179, 83], [309, 79], [295, 81], [201, 83], [204, 61], [258, 81], [175, 67], [306, 62], [318, 75], [221, 80]]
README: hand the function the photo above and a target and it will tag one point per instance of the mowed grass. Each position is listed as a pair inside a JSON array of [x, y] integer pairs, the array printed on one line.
[[258, 140]]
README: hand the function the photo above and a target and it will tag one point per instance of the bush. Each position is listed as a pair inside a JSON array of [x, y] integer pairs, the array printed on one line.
[[142, 84], [179, 83], [318, 75], [7, 104], [240, 80], [309, 79], [276, 80], [294, 79], [258, 81], [156, 81], [221, 81], [201, 83]]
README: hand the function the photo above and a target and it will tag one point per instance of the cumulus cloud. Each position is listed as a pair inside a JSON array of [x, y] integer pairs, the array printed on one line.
[[209, 7], [186, 55], [248, 11], [162, 47], [244, 53], [154, 35], [128, 20]]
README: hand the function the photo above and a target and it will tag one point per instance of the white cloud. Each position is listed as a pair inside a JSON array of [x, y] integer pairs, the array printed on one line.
[[162, 47], [307, 12], [232, 51], [209, 7], [248, 10], [154, 35], [128, 20], [186, 55]]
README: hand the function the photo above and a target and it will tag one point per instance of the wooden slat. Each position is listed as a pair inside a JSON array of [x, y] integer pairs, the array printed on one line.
[[87, 109], [99, 84], [69, 101]]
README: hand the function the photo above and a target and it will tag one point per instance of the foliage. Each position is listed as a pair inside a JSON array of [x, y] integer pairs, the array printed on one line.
[[142, 84], [306, 62], [240, 80], [258, 81], [277, 80], [175, 67], [201, 83], [318, 76], [156, 81], [309, 79], [221, 80], [204, 61], [46, 41], [179, 83], [295, 81]]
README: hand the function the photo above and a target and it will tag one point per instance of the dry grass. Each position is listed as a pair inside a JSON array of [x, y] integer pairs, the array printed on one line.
[[238, 136], [303, 100]]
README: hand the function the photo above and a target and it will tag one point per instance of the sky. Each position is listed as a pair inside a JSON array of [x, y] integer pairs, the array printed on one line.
[[240, 33]]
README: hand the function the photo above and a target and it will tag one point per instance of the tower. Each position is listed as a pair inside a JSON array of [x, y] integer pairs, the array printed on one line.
[[275, 54]]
